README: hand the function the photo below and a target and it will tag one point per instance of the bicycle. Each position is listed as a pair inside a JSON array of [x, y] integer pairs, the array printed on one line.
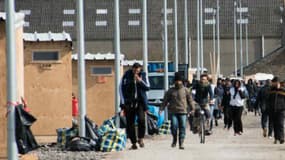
[[199, 120]]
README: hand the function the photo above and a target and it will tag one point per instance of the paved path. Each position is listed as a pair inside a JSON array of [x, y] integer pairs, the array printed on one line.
[[221, 145]]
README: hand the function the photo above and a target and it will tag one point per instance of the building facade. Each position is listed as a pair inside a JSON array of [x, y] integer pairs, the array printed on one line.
[[48, 80]]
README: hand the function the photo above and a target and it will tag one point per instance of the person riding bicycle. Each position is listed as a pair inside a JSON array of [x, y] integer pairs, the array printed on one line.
[[203, 97]]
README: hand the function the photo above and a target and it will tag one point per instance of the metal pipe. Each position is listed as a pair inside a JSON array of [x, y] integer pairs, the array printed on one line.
[[176, 38], [186, 32], [201, 36], [240, 30], [117, 52], [263, 46], [11, 58], [190, 52], [81, 67], [165, 51], [145, 31], [214, 34], [218, 41], [235, 36], [246, 43], [198, 41], [145, 47]]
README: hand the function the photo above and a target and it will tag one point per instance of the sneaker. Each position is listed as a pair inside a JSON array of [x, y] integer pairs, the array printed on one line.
[[208, 132], [134, 147], [281, 141], [141, 144], [181, 147], [275, 141], [270, 137], [173, 145], [264, 132]]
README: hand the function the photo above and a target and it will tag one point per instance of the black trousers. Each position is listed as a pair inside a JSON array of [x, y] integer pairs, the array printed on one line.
[[266, 121], [236, 115], [278, 124], [131, 112], [228, 116]]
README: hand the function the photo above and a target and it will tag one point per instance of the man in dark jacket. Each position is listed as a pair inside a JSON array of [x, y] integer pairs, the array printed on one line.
[[203, 94], [226, 105], [277, 100], [262, 102], [133, 88], [179, 102], [251, 89]]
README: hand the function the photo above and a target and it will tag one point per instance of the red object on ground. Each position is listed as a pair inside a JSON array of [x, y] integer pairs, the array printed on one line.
[[74, 106]]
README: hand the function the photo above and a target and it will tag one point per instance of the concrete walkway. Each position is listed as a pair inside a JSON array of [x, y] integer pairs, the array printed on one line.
[[221, 145]]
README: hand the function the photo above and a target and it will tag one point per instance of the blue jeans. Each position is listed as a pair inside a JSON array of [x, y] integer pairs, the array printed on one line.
[[178, 121]]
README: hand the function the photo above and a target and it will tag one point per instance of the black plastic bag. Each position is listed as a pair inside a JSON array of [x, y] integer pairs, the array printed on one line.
[[81, 144], [24, 136]]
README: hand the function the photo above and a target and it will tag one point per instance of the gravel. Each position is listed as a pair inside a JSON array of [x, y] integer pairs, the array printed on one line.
[[53, 152]]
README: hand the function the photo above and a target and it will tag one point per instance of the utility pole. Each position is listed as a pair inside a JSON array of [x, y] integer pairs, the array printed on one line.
[[165, 51], [81, 67], [186, 32], [218, 37], [235, 36], [176, 38], [11, 78], [240, 32], [117, 52], [198, 41], [201, 36]]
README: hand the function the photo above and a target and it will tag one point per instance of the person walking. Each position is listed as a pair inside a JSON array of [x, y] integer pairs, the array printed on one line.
[[226, 107], [262, 102], [179, 102], [213, 106], [237, 101], [251, 89], [277, 100], [133, 88], [218, 92]]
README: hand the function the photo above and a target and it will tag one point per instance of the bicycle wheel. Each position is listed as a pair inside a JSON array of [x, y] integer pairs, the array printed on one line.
[[202, 129]]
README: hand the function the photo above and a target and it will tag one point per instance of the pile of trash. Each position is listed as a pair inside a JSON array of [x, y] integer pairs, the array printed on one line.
[[108, 137], [105, 138]]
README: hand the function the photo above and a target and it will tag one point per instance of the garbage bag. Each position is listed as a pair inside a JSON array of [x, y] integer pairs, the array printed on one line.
[[155, 111], [24, 137], [91, 129], [81, 144], [114, 140]]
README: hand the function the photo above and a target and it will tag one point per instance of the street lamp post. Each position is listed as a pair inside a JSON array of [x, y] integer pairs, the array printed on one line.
[[176, 37], [165, 50], [240, 32], [11, 79], [198, 41], [81, 67], [186, 33], [235, 36], [117, 52], [201, 36], [218, 37]]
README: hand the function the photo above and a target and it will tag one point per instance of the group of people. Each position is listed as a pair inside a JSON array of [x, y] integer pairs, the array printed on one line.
[[228, 97]]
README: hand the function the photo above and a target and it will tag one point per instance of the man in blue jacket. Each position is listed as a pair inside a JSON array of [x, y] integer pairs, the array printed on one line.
[[133, 88]]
